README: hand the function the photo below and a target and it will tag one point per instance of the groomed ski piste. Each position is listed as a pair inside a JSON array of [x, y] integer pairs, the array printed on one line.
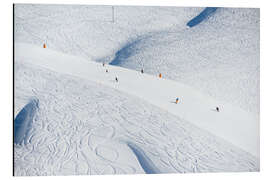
[[73, 118]]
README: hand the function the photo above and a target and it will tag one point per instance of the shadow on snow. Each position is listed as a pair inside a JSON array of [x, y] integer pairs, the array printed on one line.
[[23, 121], [146, 163], [202, 16]]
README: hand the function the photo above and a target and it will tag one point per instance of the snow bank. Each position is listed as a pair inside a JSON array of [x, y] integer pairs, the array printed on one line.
[[219, 57], [146, 163], [232, 123], [23, 121], [93, 32], [202, 16], [86, 117], [226, 46], [125, 52], [83, 126]]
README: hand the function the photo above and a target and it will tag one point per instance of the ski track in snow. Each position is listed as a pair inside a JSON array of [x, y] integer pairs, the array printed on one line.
[[84, 128], [88, 31], [217, 56], [225, 46]]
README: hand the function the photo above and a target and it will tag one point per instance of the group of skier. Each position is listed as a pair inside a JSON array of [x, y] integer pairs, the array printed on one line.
[[160, 76]]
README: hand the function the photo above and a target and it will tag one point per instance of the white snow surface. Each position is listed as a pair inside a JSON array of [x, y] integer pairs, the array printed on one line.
[[93, 32], [87, 123], [219, 57], [193, 107], [86, 120]]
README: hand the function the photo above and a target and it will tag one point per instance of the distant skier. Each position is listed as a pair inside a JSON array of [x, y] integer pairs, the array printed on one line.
[[106, 70], [160, 75], [217, 108], [103, 64], [142, 71], [177, 100], [116, 79]]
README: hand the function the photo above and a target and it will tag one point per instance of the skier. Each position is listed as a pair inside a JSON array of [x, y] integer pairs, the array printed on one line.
[[116, 79], [103, 64], [44, 45], [160, 75], [106, 70], [217, 108], [177, 100], [142, 71]]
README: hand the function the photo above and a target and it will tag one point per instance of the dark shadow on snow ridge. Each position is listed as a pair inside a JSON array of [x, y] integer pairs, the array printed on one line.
[[146, 163], [23, 121], [124, 53], [130, 48], [202, 16]]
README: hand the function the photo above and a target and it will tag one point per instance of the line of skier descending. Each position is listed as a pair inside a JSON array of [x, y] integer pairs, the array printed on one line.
[[177, 100], [142, 71]]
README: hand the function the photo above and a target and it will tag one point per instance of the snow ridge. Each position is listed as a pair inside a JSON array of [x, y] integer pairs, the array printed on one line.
[[194, 105], [125, 52], [202, 16], [146, 163], [24, 120], [83, 126], [82, 121], [219, 56]]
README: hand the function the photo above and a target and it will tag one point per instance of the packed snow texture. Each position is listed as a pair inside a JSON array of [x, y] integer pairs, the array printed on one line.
[[219, 56], [87, 128], [83, 122], [93, 32], [194, 106]]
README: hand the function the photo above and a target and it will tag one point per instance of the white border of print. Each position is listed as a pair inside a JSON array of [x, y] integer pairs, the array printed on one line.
[[6, 86]]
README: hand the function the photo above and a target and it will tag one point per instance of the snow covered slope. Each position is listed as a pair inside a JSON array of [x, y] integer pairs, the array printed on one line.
[[219, 57], [232, 123], [93, 32], [73, 118], [87, 123]]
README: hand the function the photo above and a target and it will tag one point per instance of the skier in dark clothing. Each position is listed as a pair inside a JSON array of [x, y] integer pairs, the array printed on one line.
[[177, 100], [116, 79], [142, 71], [103, 64], [217, 108], [106, 70]]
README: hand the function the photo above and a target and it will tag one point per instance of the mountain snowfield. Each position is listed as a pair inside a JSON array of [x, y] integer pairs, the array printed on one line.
[[225, 46], [218, 56], [93, 32], [73, 118], [89, 124]]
